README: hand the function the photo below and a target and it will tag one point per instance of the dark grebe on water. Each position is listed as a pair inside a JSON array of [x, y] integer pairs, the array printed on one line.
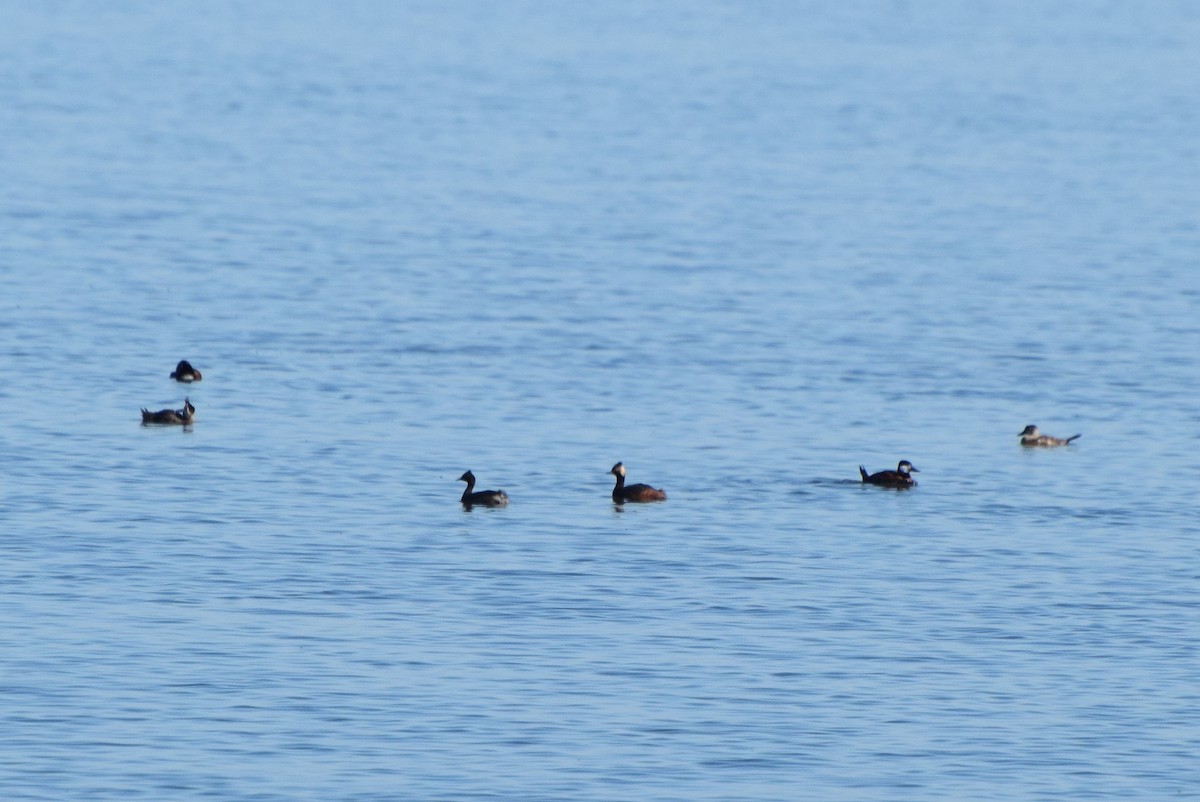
[[1032, 438], [485, 498], [901, 477], [622, 493], [181, 417], [184, 372]]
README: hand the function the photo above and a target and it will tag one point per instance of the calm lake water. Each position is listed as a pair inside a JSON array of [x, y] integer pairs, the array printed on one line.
[[743, 248]]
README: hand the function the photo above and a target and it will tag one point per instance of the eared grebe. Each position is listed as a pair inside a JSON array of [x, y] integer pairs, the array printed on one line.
[[181, 417], [1032, 438], [622, 492], [901, 477], [184, 372], [486, 498]]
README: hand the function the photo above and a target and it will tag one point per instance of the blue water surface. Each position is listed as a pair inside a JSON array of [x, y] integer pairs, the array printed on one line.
[[743, 248]]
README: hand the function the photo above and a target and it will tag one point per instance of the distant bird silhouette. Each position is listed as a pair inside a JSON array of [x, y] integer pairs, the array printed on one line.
[[622, 492], [485, 498], [184, 372], [1032, 438], [901, 477], [181, 417]]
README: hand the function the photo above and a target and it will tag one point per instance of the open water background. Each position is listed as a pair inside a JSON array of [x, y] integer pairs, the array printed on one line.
[[743, 247]]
